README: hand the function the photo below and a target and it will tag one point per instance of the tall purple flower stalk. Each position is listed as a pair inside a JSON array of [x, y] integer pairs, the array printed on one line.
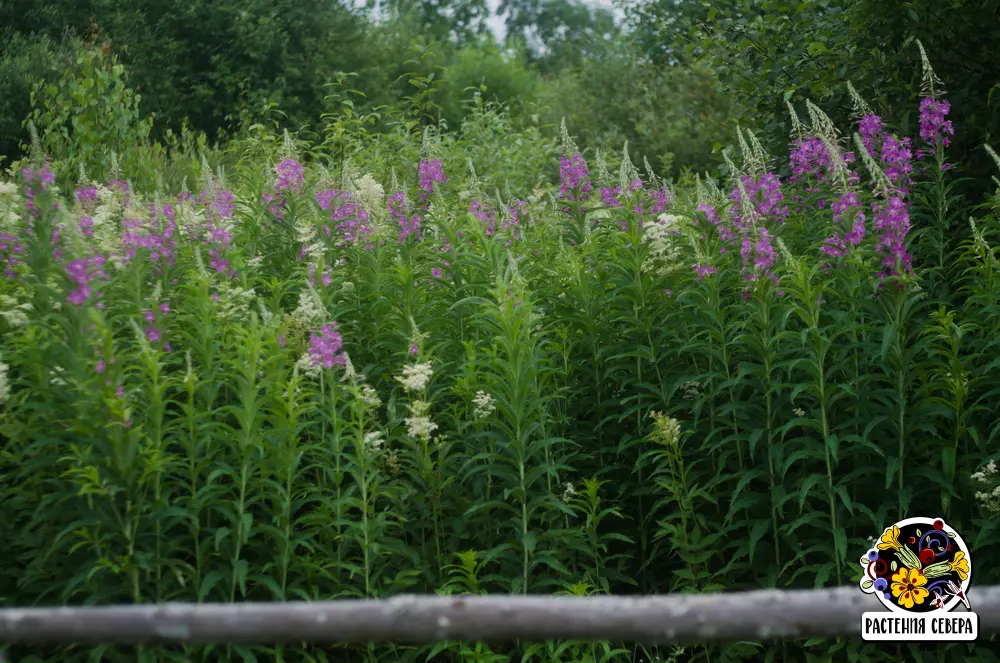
[[430, 173], [892, 220], [350, 218], [158, 234], [10, 249], [574, 180], [409, 225], [870, 128], [933, 125], [83, 273], [850, 225], [487, 218], [290, 178], [326, 347]]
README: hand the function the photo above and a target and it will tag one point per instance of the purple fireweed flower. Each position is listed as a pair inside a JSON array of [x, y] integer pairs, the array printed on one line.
[[290, 176], [218, 203], [409, 226], [870, 128], [897, 159], [703, 271], [326, 277], [10, 249], [157, 234], [765, 195], [850, 225], [933, 125], [351, 218], [661, 200], [574, 179], [430, 172], [87, 197], [609, 196], [710, 212], [153, 334], [810, 157], [484, 213], [83, 273], [326, 348], [413, 349], [892, 222]]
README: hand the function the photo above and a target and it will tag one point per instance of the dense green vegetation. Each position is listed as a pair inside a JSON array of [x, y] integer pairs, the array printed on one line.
[[287, 316]]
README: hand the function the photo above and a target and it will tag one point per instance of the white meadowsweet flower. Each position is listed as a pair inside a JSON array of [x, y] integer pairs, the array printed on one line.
[[799, 412], [373, 442], [691, 390], [4, 382], [15, 314], [663, 237], [418, 424], [55, 376], [305, 230], [415, 376], [569, 492], [8, 189], [370, 195], [234, 302], [370, 396], [666, 429], [485, 405], [306, 366], [311, 310]]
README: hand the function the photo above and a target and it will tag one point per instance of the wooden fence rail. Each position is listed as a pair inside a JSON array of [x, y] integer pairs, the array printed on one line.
[[755, 616]]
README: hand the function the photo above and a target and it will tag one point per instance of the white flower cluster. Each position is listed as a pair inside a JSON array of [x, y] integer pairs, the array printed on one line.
[[4, 382], [415, 377], [664, 246], [690, 390], [234, 302], [569, 492], [418, 424], [370, 195], [373, 442], [799, 412], [370, 396], [666, 429], [307, 367], [484, 404], [104, 227], [990, 497], [15, 314], [190, 220], [311, 311], [8, 204]]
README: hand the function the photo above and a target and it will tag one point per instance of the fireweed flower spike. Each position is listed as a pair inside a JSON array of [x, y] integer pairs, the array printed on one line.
[[431, 173]]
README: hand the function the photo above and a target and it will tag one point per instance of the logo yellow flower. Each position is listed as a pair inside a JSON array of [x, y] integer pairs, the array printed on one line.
[[960, 565], [908, 587], [890, 539]]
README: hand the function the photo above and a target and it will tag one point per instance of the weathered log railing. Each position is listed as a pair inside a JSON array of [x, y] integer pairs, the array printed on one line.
[[755, 616]]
